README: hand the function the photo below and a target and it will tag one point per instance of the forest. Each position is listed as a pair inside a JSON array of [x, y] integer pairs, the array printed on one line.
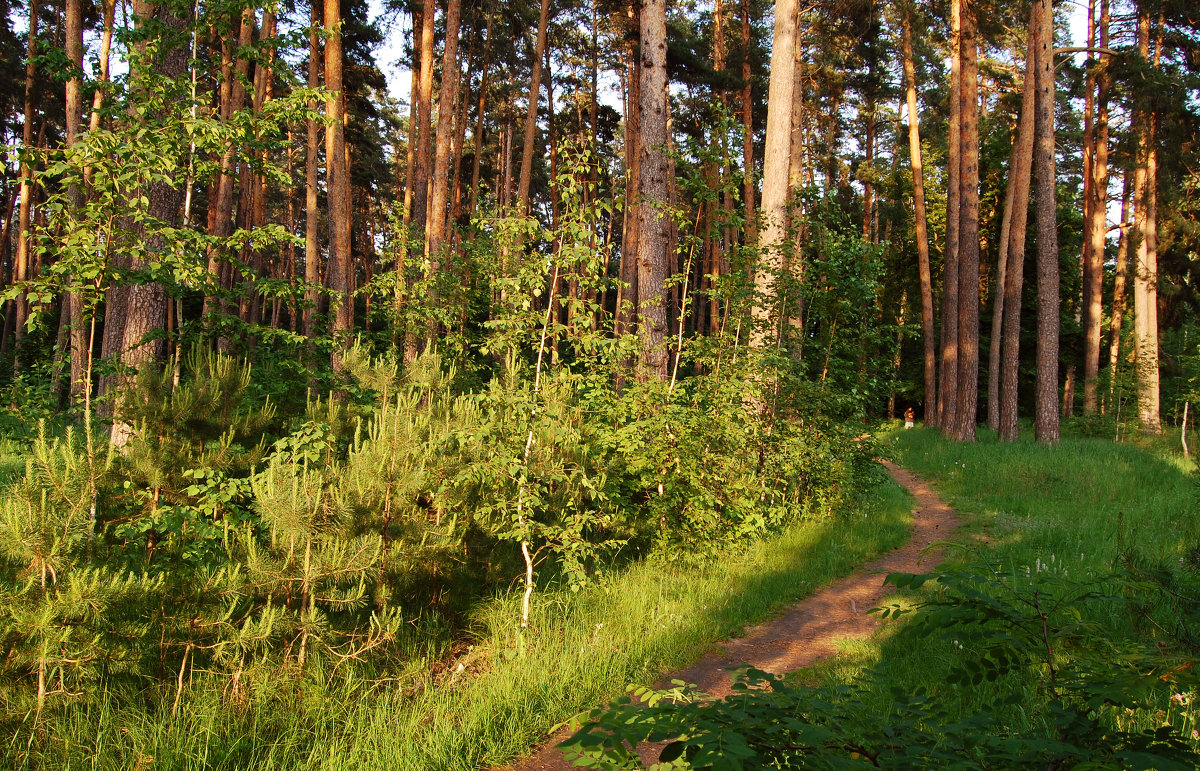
[[361, 361]]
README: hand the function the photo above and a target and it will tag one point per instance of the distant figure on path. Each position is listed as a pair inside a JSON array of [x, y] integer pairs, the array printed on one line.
[[909, 417]]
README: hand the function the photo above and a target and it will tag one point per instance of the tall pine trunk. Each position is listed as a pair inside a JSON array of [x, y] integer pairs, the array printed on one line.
[[776, 158], [338, 181], [1019, 169], [423, 155], [1117, 319], [440, 189], [1096, 228], [920, 224], [948, 393], [72, 300], [968, 232], [1045, 420], [145, 305], [21, 270], [312, 221], [530, 135], [1145, 273], [748, 130], [654, 226]]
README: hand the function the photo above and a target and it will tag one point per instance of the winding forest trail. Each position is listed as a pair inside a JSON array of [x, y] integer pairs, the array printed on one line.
[[809, 630]]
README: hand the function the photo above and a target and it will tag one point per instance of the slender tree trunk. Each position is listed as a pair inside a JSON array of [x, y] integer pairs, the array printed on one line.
[[233, 92], [414, 118], [478, 137], [627, 296], [748, 130], [436, 228], [1096, 228], [654, 228], [998, 290], [948, 396], [969, 231], [460, 122], [535, 84], [337, 179], [72, 300], [868, 116], [1145, 273], [776, 157], [921, 227], [24, 217], [145, 305], [1019, 170], [424, 153], [312, 216], [110, 11], [1045, 424], [1119, 281]]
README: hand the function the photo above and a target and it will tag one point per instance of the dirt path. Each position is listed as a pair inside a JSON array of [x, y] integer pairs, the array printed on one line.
[[811, 629]]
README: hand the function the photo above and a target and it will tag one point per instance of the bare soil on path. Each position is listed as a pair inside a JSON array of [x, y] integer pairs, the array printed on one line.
[[809, 630]]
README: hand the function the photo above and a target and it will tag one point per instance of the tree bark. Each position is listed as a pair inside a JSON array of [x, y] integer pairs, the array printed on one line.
[[654, 227], [21, 270], [748, 130], [72, 300], [968, 232], [424, 105], [1045, 421], [478, 137], [337, 180], [627, 296], [233, 93], [948, 394], [920, 224], [143, 306], [998, 290], [535, 84], [436, 228], [1019, 169], [776, 157], [1145, 273], [1096, 228], [312, 216], [1119, 280]]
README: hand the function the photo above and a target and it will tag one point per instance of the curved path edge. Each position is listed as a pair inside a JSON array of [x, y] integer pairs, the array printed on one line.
[[809, 630]]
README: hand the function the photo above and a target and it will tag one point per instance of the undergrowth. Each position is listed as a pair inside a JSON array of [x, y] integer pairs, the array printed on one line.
[[1062, 633], [498, 691]]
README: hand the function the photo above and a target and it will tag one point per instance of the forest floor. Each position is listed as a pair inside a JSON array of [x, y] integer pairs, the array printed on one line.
[[809, 631]]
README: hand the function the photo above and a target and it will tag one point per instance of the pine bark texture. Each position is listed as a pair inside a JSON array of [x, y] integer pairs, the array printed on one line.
[[436, 229], [21, 269], [1096, 226], [1019, 169], [530, 135], [337, 177], [776, 157], [920, 224], [423, 155], [968, 232], [72, 301], [654, 189], [312, 151], [948, 390], [1045, 420]]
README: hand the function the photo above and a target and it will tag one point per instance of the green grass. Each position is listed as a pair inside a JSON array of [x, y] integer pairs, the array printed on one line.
[[1069, 510], [582, 649]]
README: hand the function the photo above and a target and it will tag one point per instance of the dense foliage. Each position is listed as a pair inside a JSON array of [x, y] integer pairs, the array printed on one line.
[[1041, 642]]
